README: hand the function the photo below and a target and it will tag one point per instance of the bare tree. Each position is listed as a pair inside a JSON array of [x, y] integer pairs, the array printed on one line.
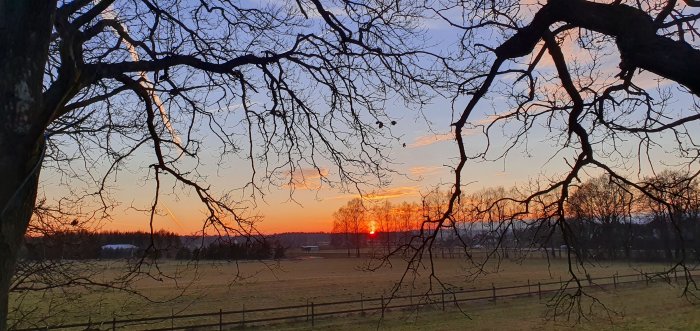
[[100, 82], [491, 211], [383, 214], [674, 204], [342, 226], [407, 220], [548, 65], [605, 208], [353, 216], [89, 86]]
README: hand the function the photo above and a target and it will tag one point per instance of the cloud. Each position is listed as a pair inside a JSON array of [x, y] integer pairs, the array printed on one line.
[[391, 193], [488, 119], [430, 139], [306, 178], [424, 171]]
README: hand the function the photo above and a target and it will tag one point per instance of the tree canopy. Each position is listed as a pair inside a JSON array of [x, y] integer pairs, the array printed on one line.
[[87, 85]]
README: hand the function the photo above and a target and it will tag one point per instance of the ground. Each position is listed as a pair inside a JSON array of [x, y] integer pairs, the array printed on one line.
[[213, 286]]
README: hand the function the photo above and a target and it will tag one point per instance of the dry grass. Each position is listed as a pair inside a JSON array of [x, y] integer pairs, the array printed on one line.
[[229, 286], [657, 307]]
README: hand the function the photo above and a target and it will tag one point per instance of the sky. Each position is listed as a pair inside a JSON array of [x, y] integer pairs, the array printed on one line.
[[422, 164]]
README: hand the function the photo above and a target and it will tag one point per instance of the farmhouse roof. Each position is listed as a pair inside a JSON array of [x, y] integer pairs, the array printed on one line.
[[119, 246]]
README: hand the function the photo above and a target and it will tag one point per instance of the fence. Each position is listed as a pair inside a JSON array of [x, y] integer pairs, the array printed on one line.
[[311, 311]]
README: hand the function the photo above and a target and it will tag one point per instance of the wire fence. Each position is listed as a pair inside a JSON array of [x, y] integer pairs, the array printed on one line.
[[310, 311]]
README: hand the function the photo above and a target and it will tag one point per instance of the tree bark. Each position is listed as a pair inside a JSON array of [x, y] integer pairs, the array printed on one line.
[[635, 35], [25, 29]]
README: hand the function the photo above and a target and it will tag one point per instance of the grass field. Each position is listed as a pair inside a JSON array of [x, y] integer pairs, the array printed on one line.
[[229, 286], [657, 307]]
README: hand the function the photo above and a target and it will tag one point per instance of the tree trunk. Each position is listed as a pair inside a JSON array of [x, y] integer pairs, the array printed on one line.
[[25, 29], [12, 230], [347, 242]]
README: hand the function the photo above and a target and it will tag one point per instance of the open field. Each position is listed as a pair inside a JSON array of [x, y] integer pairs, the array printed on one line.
[[214, 286], [657, 307]]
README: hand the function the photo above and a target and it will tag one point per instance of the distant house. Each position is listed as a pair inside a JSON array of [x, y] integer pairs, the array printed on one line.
[[310, 248], [115, 251]]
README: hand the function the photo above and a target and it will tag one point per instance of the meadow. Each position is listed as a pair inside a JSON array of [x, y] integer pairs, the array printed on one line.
[[209, 286]]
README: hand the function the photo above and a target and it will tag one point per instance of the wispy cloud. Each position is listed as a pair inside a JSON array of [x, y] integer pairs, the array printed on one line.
[[488, 119], [426, 140], [424, 171], [390, 193], [396, 192], [429, 139], [306, 178]]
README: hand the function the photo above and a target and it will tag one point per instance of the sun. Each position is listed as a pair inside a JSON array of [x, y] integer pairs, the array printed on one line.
[[372, 227]]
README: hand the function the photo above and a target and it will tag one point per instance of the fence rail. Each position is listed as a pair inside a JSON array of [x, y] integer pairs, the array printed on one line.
[[310, 311]]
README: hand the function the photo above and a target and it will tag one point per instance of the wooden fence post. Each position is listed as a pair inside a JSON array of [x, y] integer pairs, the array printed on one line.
[[221, 319], [382, 305], [114, 323], [528, 288], [493, 292], [362, 304], [312, 314], [307, 309], [539, 290], [442, 294], [243, 317], [615, 280], [172, 319]]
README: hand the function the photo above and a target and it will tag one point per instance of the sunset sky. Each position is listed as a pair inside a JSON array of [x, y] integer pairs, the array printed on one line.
[[423, 163]]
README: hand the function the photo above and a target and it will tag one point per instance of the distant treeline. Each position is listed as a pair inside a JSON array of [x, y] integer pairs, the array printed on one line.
[[227, 250], [82, 244], [650, 238], [598, 219]]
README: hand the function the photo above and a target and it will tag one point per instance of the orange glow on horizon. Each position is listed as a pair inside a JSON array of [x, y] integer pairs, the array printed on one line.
[[372, 225]]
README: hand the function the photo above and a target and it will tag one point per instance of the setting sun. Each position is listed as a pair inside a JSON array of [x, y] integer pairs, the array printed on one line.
[[372, 227]]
